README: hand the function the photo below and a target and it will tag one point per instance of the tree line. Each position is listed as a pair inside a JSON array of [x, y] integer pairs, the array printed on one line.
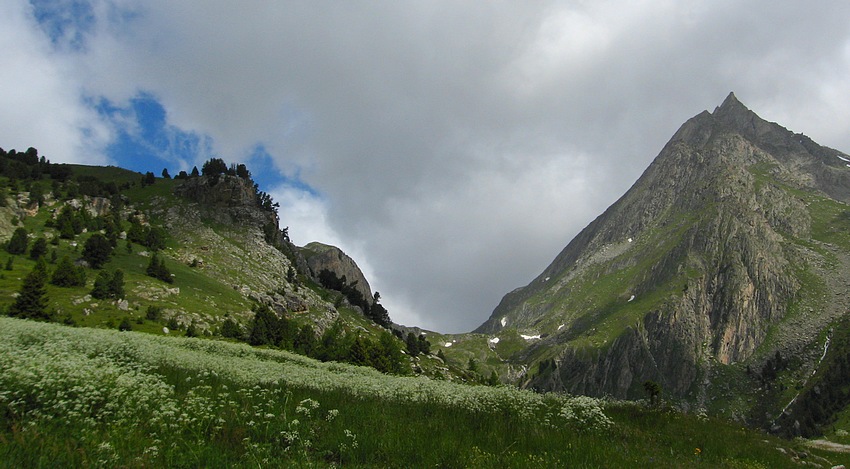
[[371, 307], [336, 344]]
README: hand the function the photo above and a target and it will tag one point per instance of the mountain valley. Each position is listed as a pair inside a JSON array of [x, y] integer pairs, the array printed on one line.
[[715, 288]]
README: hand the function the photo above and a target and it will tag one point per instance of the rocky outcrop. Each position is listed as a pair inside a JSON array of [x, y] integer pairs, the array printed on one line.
[[693, 266], [222, 190], [324, 257]]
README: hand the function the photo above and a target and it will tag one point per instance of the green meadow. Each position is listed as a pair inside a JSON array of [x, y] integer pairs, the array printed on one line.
[[84, 397]]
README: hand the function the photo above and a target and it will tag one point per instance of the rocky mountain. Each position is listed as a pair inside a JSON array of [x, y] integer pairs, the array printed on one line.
[[321, 257], [730, 250]]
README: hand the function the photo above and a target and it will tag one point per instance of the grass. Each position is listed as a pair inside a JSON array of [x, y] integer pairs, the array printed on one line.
[[600, 301], [84, 397]]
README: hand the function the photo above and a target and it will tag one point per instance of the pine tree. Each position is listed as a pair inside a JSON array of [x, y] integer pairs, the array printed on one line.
[[358, 354], [423, 345], [231, 330], [100, 290], [391, 359], [264, 328], [332, 346], [116, 284], [18, 243], [412, 344], [158, 270], [97, 250], [125, 325], [305, 341], [68, 275], [38, 249], [31, 302]]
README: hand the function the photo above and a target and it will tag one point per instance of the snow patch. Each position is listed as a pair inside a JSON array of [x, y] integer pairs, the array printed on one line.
[[447, 344], [631, 298], [165, 330], [843, 159], [546, 279], [630, 240], [530, 337], [504, 321], [560, 327], [494, 340]]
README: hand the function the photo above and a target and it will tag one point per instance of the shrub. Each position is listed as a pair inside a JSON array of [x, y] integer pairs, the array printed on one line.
[[153, 313]]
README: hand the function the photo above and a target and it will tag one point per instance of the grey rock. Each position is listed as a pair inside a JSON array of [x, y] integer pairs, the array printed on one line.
[[689, 269]]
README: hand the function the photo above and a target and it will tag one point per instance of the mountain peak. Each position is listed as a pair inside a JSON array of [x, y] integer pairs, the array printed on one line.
[[731, 102], [733, 110]]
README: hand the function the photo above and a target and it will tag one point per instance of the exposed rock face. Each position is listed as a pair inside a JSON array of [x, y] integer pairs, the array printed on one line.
[[230, 191], [693, 266], [234, 199], [321, 257]]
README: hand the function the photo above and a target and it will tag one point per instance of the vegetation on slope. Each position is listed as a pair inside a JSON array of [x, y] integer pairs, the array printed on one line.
[[136, 256], [80, 397]]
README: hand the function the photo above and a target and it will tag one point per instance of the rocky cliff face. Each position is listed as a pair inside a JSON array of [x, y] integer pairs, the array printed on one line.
[[324, 257], [709, 254]]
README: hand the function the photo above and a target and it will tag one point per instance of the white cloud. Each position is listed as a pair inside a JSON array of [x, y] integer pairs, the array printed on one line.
[[40, 103], [457, 146]]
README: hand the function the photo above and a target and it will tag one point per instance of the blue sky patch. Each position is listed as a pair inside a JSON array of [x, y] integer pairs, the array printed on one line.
[[145, 141], [66, 23]]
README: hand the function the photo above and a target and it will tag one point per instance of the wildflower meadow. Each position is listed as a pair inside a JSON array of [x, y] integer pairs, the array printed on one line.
[[76, 397]]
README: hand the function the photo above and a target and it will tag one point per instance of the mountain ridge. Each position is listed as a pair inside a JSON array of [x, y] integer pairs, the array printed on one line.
[[692, 270]]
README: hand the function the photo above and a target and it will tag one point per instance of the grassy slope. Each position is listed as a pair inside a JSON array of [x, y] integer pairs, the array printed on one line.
[[76, 397]]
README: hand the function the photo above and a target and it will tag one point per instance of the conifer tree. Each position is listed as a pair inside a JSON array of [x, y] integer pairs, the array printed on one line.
[[305, 341], [100, 290], [31, 302], [116, 284], [38, 249], [412, 344], [358, 354], [158, 270], [392, 360], [97, 250], [18, 243], [230, 329], [264, 330], [68, 275]]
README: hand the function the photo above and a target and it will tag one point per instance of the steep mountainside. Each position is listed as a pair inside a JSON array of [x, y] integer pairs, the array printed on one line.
[[730, 248], [321, 257]]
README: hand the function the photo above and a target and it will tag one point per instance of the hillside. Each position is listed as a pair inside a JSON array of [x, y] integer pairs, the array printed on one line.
[[717, 276], [77, 397], [227, 268]]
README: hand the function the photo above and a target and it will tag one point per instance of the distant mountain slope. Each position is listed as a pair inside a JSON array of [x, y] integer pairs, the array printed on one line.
[[199, 255], [732, 246]]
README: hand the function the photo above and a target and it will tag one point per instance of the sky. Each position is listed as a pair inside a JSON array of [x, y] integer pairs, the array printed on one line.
[[452, 148]]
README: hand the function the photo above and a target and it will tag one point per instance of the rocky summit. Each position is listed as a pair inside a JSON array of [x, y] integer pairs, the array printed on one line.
[[729, 253]]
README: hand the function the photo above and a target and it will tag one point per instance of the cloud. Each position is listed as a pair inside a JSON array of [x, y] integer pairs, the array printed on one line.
[[452, 148], [40, 102]]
